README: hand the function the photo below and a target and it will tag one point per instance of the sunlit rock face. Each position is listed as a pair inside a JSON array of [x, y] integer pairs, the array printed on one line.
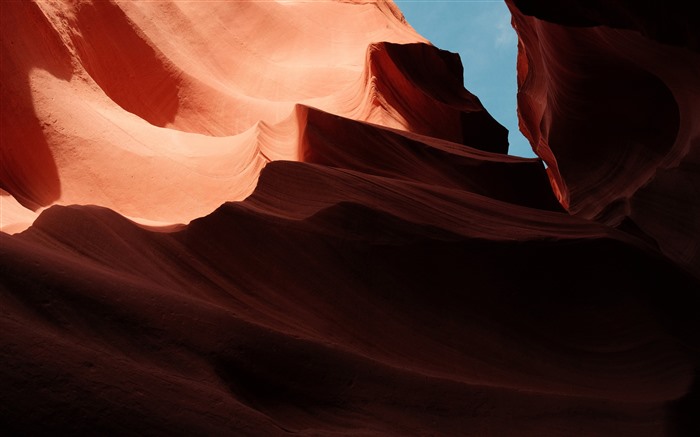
[[162, 111], [264, 218], [610, 98]]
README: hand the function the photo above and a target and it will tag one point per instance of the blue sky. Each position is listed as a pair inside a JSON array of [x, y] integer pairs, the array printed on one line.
[[481, 33]]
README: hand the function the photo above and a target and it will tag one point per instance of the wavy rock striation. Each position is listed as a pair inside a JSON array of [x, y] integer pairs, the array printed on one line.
[[258, 218], [609, 98], [104, 98]]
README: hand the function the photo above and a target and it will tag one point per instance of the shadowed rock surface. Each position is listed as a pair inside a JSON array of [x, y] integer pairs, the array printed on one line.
[[273, 218]]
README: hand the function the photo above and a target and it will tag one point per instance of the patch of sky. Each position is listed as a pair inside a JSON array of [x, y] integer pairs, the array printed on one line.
[[480, 31]]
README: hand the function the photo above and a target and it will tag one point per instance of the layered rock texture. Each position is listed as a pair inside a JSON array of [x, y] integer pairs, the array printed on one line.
[[264, 218], [610, 99]]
